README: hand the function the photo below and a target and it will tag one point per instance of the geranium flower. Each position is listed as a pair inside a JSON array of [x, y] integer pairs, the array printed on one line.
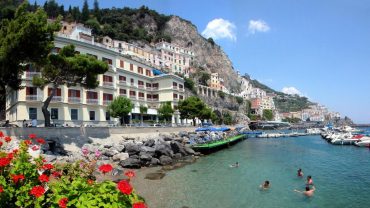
[[1, 134], [43, 178], [90, 182], [47, 166], [35, 147], [1, 143], [106, 168], [8, 139], [37, 191], [1, 189], [97, 153], [10, 156], [56, 174], [130, 173], [63, 202], [40, 140], [28, 142], [32, 136], [139, 205], [124, 187], [85, 151], [16, 178], [4, 162], [15, 151]]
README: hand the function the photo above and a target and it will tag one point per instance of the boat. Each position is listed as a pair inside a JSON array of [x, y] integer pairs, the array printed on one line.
[[345, 139], [217, 145], [363, 142], [211, 128]]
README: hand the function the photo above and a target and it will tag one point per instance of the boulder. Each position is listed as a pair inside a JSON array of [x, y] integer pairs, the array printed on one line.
[[110, 152], [154, 161], [161, 149], [121, 156], [108, 145], [155, 176], [147, 150], [130, 163], [149, 143], [177, 156], [189, 150], [177, 148], [183, 133], [146, 157], [119, 148], [132, 149], [165, 160]]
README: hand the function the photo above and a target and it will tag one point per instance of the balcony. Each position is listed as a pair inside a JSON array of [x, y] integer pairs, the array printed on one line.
[[33, 97], [122, 82], [108, 84], [175, 87], [133, 97], [74, 100], [57, 99], [92, 101], [107, 102], [154, 88], [141, 98], [181, 89], [30, 75], [133, 85], [141, 86], [152, 99]]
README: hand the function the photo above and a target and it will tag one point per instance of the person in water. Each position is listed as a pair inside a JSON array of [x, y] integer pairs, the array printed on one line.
[[308, 192], [309, 180], [235, 165], [265, 185], [300, 173]]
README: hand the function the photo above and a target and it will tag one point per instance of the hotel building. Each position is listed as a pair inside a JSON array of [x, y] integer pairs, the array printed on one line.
[[76, 105]]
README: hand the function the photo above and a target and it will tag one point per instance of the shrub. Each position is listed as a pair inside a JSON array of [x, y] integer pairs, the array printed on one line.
[[31, 182]]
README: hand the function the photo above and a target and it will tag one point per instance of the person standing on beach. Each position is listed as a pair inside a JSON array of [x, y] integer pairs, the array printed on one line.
[[300, 173], [308, 192]]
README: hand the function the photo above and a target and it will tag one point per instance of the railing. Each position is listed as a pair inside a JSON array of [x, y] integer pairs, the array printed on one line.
[[33, 97], [149, 88], [154, 88], [174, 87], [108, 84], [181, 89], [141, 86], [133, 85], [30, 75], [57, 99], [92, 101], [141, 98], [106, 102], [74, 100], [152, 99], [133, 96], [123, 82]]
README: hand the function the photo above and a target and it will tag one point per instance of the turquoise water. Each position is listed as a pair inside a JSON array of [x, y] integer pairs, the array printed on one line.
[[341, 175]]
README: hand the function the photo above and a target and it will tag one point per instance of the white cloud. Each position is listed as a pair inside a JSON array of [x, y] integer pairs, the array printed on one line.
[[220, 28], [258, 26], [291, 91]]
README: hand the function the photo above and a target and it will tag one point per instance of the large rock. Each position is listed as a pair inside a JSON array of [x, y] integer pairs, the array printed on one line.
[[132, 149], [147, 150], [119, 148], [121, 156], [177, 148], [162, 149], [183, 133], [154, 161], [189, 150], [110, 152], [130, 163], [149, 143], [165, 160], [146, 157]]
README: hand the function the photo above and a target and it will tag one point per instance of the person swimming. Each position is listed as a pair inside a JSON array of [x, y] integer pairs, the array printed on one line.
[[299, 172], [309, 180], [307, 192], [265, 185], [234, 165]]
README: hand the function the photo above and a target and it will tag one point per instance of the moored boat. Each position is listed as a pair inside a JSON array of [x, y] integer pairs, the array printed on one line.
[[217, 145]]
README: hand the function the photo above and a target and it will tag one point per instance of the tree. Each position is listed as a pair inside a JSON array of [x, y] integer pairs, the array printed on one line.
[[189, 84], [85, 12], [96, 10], [239, 100], [165, 111], [203, 78], [143, 110], [120, 107], [190, 108], [267, 114], [205, 113], [221, 94], [68, 68], [228, 119], [25, 37]]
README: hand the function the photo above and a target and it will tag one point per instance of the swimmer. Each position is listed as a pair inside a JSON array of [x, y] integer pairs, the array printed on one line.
[[308, 192], [309, 180], [265, 185], [234, 165], [300, 173]]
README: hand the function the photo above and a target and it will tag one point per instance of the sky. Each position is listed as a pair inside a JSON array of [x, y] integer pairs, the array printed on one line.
[[318, 49]]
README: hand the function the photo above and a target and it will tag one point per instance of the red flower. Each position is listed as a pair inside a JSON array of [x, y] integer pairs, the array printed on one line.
[[28, 142], [16, 178], [41, 140], [34, 148], [37, 191], [63, 202], [1, 143], [90, 182], [1, 189], [130, 173], [32, 136], [124, 187], [1, 134], [139, 205], [4, 162], [10, 156], [47, 166], [15, 151], [106, 168], [43, 178], [56, 174], [8, 139]]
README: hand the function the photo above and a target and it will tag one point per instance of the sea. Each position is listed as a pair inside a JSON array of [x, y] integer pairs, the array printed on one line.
[[341, 175]]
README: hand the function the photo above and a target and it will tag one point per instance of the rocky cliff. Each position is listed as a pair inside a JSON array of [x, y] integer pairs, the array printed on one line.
[[208, 56]]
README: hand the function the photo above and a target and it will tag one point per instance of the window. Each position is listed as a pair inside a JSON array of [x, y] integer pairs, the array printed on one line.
[[54, 113], [74, 93], [32, 113], [107, 116], [132, 81], [74, 114], [132, 93], [122, 91], [140, 83], [119, 45], [141, 94], [95, 56], [148, 85], [181, 97], [107, 96], [148, 96], [174, 96], [107, 78], [131, 67], [92, 115], [121, 64], [181, 86], [109, 61], [31, 91], [155, 85], [58, 92], [147, 72], [122, 78], [174, 84], [91, 95], [140, 70]]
